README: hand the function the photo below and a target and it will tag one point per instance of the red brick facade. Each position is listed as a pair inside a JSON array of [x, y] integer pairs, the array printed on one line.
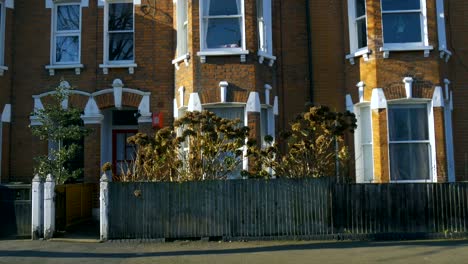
[[310, 42]]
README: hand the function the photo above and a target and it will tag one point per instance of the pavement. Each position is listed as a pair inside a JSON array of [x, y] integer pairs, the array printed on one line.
[[63, 252]]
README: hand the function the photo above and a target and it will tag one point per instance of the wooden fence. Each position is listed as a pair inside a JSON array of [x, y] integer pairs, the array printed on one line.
[[15, 208], [73, 204], [308, 209]]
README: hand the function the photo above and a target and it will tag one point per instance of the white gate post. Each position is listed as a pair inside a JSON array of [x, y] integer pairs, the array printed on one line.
[[49, 207], [103, 206], [37, 204]]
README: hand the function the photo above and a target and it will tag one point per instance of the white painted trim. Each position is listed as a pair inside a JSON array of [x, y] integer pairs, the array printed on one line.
[[181, 95], [364, 53], [223, 52], [55, 33], [266, 52], [10, 4], [268, 89], [387, 48], [175, 109], [52, 68], [194, 103], [349, 103], [358, 152], [6, 114], [408, 81], [223, 91], [144, 107], [3, 68], [131, 67], [361, 85], [438, 97], [355, 51], [276, 106], [441, 31], [378, 100], [253, 103]]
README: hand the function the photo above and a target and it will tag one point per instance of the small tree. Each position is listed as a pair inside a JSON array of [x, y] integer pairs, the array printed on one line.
[[315, 146], [59, 125]]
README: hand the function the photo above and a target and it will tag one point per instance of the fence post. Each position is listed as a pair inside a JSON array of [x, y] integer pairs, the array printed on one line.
[[49, 207], [37, 207], [104, 201]]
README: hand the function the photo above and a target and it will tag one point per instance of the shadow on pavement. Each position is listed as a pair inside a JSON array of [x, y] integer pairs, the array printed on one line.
[[279, 248]]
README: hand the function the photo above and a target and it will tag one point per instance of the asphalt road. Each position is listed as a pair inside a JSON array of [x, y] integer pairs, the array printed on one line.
[[48, 252]]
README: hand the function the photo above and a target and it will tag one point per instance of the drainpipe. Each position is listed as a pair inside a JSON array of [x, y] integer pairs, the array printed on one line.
[[309, 52]]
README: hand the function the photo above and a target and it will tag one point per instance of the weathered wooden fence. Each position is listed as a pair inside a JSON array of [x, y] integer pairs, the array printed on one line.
[[73, 204], [308, 208], [15, 210]]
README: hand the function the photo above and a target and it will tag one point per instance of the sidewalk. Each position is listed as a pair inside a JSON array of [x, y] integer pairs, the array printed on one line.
[[48, 252]]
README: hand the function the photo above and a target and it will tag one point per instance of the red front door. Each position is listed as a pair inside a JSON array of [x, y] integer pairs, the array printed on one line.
[[123, 153]]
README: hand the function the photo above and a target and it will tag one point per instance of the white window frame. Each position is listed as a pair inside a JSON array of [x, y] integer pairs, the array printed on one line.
[[408, 46], [265, 32], [430, 141], [56, 33], [182, 36], [359, 145], [241, 51], [2, 36], [441, 31], [355, 51], [130, 64]]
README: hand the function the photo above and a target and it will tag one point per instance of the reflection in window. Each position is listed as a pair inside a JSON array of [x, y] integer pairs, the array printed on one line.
[[265, 38], [120, 32], [402, 21], [222, 24], [361, 24], [67, 33], [409, 142]]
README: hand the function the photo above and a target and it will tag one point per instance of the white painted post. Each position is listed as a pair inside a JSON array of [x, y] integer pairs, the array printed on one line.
[[37, 204], [104, 201], [49, 207]]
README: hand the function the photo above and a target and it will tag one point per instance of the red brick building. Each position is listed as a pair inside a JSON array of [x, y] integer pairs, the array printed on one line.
[[401, 66]]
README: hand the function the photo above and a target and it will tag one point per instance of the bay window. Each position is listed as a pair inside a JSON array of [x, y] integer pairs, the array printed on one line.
[[182, 23], [364, 144], [357, 19], [409, 142], [66, 33], [2, 37], [222, 28], [404, 25], [265, 35]]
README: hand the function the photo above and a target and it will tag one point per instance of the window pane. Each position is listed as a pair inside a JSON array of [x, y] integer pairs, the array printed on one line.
[[68, 17], [263, 124], [360, 8], [120, 146], [368, 163], [120, 46], [408, 123], [121, 16], [400, 4], [223, 7], [224, 33], [401, 28], [229, 112], [409, 161], [362, 33], [366, 128], [67, 49]]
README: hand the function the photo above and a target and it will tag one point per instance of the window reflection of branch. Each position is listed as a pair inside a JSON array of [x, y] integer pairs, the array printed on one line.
[[119, 51]]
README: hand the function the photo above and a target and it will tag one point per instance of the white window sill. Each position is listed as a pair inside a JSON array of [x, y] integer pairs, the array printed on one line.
[[131, 67], [3, 69], [223, 52], [262, 56], [185, 58], [386, 49], [445, 54], [364, 53], [76, 67]]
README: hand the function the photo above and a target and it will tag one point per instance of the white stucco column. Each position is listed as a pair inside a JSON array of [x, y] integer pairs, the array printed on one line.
[[104, 201], [49, 207], [37, 207]]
